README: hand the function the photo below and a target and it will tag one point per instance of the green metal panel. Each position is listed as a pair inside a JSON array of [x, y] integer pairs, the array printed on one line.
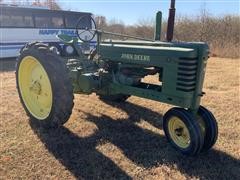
[[150, 94], [183, 67], [203, 51], [144, 55]]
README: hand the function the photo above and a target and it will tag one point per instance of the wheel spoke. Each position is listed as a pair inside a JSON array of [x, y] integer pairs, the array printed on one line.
[[92, 32], [82, 32]]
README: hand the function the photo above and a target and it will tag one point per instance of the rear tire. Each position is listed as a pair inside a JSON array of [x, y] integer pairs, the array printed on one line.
[[44, 86]]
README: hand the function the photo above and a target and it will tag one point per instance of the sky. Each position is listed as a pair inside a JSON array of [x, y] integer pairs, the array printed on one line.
[[131, 11]]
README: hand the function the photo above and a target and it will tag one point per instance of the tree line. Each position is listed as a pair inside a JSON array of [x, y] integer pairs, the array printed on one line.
[[52, 4], [222, 33]]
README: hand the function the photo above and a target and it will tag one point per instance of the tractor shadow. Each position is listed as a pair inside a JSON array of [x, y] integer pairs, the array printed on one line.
[[79, 155], [136, 113], [143, 147]]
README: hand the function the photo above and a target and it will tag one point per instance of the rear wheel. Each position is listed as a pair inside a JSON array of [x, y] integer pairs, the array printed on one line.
[[183, 131], [44, 86]]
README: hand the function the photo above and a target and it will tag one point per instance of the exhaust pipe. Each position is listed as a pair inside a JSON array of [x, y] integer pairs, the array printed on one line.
[[171, 19]]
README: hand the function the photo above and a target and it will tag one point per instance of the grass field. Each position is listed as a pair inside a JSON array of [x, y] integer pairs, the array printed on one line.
[[119, 141]]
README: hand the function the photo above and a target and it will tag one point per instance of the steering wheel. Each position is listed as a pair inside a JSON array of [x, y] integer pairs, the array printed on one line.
[[83, 31]]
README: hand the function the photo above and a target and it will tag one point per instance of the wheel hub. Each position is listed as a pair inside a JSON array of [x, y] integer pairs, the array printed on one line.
[[35, 87], [179, 132]]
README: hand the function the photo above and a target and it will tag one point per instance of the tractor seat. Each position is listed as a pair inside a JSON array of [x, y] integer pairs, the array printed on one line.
[[70, 40]]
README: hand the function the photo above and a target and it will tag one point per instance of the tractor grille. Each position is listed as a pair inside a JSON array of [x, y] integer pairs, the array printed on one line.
[[186, 76]]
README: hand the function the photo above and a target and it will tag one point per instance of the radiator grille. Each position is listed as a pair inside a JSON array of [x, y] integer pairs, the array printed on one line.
[[186, 75]]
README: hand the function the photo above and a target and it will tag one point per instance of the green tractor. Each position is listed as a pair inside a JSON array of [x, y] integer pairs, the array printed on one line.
[[115, 71]]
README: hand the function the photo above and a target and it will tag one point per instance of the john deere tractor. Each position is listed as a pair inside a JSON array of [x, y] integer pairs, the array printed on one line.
[[115, 70]]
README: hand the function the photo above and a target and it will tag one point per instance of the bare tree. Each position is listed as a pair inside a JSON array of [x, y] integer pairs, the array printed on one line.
[[101, 22], [52, 4]]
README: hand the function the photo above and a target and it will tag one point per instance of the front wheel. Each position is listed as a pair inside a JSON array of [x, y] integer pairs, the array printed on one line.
[[208, 126], [183, 131], [44, 87]]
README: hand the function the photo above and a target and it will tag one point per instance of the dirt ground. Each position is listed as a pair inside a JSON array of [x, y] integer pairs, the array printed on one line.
[[119, 141]]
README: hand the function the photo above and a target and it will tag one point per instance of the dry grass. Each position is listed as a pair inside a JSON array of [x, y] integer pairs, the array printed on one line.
[[110, 141]]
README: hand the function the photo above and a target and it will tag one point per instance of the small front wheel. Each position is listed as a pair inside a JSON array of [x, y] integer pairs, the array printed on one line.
[[183, 131], [208, 126]]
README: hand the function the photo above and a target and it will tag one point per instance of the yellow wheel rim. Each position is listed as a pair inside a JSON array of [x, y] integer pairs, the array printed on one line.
[[179, 132], [35, 87]]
